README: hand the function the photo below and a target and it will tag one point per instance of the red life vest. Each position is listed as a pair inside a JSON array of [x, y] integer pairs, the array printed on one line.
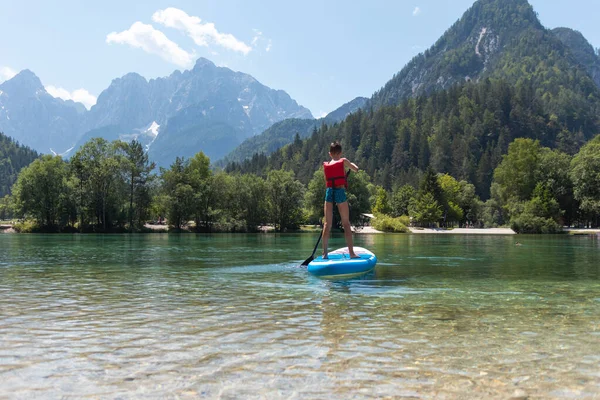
[[335, 173]]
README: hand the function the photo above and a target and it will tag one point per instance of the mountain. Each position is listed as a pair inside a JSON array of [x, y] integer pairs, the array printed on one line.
[[284, 132], [208, 108], [497, 39], [13, 158], [342, 112], [468, 51], [271, 140], [582, 50], [214, 126], [494, 76], [33, 117]]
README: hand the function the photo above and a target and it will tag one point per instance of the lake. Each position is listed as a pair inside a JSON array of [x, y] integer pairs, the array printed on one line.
[[233, 316]]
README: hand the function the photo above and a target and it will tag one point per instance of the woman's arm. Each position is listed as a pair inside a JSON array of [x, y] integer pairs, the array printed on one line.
[[350, 165]]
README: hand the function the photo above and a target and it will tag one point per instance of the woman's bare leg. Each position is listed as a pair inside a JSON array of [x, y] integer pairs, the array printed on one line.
[[345, 214], [328, 211]]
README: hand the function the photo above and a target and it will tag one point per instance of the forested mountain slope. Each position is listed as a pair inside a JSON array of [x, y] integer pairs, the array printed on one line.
[[492, 39], [524, 82], [583, 51], [13, 157]]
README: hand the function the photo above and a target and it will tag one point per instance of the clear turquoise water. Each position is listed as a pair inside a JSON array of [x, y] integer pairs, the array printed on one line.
[[232, 316]]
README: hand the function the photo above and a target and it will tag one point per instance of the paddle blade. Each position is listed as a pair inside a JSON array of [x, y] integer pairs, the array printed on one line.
[[312, 256], [307, 261]]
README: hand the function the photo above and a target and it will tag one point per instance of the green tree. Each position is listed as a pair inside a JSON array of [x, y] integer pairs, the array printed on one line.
[[101, 189], [6, 208], [250, 193], [430, 184], [494, 213], [206, 196], [159, 207], [425, 210], [137, 172], [553, 172], [526, 166], [285, 200], [585, 173], [401, 199], [225, 210], [539, 215], [382, 203], [37, 192], [469, 202], [178, 192], [516, 175], [451, 193]]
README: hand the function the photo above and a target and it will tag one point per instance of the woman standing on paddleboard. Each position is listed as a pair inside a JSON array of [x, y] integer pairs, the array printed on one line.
[[335, 178]]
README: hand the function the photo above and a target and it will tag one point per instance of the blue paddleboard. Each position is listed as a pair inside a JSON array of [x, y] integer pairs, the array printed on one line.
[[339, 264]]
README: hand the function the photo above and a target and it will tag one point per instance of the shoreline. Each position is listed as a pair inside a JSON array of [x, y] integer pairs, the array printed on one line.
[[369, 230], [573, 231], [464, 231]]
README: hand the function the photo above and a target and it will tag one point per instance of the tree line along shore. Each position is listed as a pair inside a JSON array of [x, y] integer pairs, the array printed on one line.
[[113, 187]]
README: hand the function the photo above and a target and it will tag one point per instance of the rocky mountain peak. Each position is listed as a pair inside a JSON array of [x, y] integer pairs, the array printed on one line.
[[468, 50], [203, 63], [131, 78], [25, 83]]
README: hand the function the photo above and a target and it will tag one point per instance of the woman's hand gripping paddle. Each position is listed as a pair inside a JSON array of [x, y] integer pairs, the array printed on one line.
[[312, 256]]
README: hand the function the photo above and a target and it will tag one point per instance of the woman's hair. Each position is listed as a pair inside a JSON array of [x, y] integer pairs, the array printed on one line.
[[335, 147]]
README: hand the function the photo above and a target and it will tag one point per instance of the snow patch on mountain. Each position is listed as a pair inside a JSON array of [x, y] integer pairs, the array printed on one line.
[[150, 134], [153, 129]]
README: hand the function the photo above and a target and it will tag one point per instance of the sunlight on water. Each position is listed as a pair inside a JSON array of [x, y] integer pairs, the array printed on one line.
[[233, 316]]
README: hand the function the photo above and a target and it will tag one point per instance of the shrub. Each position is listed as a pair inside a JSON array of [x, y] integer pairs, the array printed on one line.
[[527, 223], [386, 223], [230, 225], [27, 226], [404, 220]]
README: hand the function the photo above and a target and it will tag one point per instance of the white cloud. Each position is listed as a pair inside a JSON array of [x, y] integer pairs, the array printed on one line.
[[416, 11], [201, 34], [152, 41], [79, 95], [259, 39], [6, 73], [256, 38]]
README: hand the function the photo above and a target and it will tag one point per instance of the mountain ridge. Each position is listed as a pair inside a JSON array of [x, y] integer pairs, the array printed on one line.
[[132, 103], [284, 132]]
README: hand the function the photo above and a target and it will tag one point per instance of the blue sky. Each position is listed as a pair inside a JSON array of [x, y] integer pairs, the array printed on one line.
[[323, 53]]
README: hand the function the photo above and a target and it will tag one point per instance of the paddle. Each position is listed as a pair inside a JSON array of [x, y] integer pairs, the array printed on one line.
[[312, 256]]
